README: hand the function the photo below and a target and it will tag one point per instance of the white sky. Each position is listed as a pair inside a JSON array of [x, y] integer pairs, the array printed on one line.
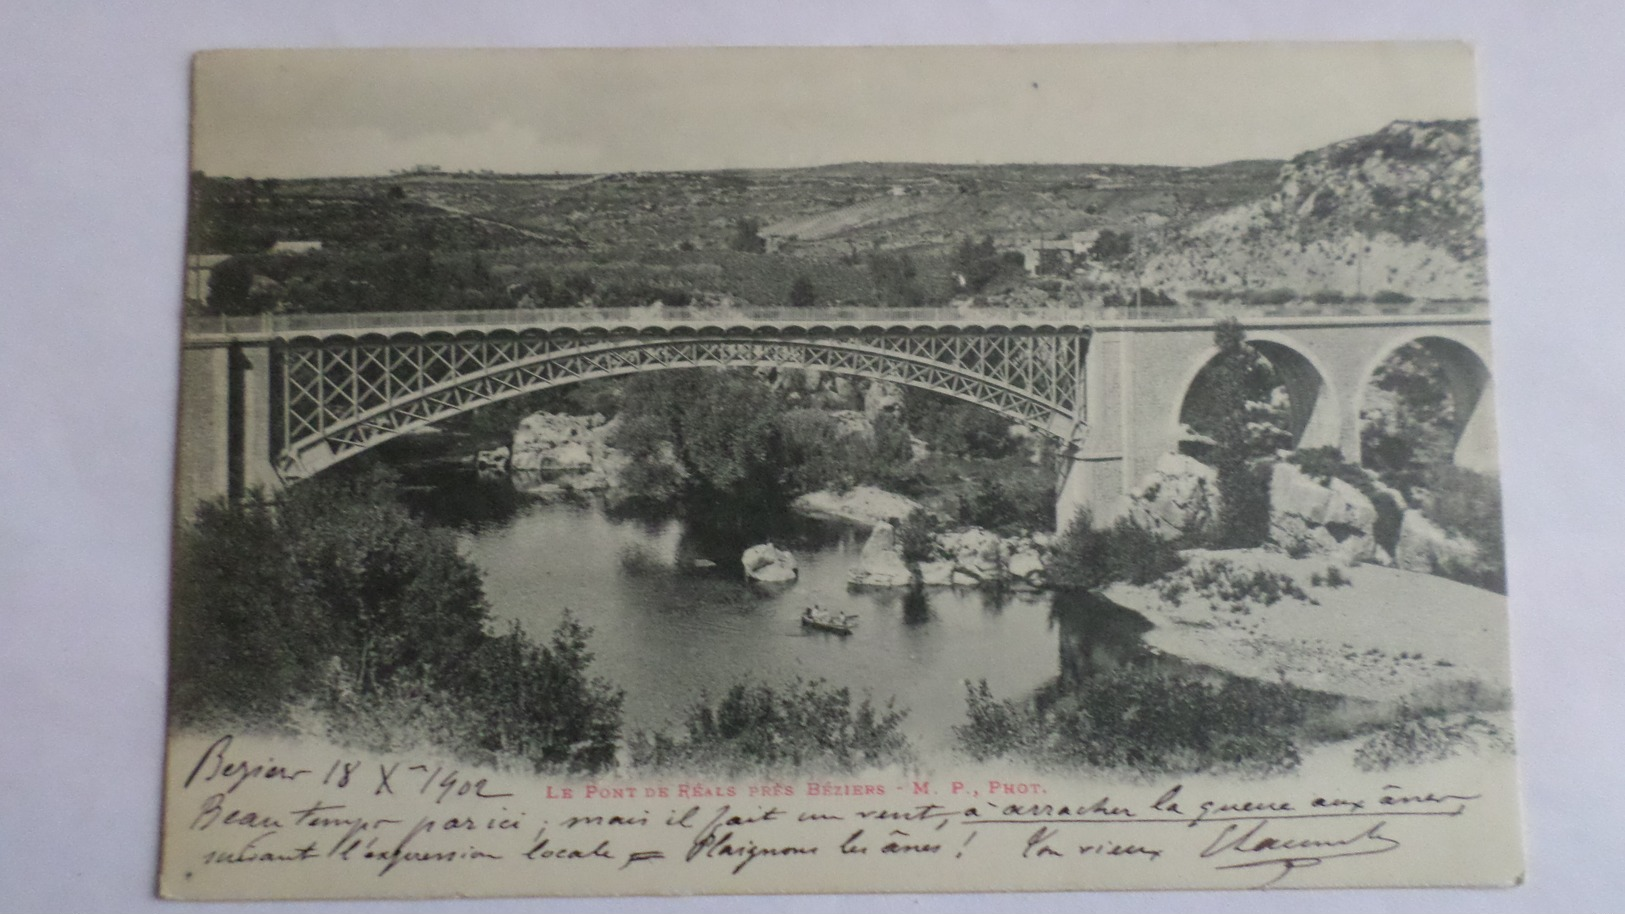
[[314, 113]]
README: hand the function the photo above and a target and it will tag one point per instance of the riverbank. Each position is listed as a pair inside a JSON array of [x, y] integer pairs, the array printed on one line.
[[1384, 636]]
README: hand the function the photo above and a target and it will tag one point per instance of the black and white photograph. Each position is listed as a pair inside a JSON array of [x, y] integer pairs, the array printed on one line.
[[822, 458]]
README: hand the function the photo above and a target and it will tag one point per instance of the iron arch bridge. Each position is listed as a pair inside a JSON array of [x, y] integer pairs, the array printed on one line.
[[338, 391], [266, 401]]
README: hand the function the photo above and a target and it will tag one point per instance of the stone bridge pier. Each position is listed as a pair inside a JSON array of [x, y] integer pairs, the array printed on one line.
[[1138, 374], [224, 446]]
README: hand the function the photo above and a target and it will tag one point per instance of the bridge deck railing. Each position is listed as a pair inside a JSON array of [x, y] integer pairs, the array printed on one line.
[[272, 324]]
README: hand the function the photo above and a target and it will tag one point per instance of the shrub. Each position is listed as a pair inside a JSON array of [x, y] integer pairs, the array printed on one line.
[[1142, 719], [916, 536], [1415, 738], [1277, 296], [1142, 297], [1011, 505], [802, 292], [800, 726], [340, 602], [1468, 504], [1333, 578], [1226, 586], [1391, 297], [1089, 559]]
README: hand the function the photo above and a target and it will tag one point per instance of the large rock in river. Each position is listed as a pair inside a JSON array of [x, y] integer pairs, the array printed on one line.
[[862, 504], [1333, 518], [881, 562], [1180, 498], [769, 564], [553, 443]]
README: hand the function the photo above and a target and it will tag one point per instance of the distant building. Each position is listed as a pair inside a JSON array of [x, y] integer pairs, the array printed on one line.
[[1058, 256], [295, 247]]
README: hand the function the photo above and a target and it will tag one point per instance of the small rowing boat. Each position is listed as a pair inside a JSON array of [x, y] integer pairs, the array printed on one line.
[[828, 621]]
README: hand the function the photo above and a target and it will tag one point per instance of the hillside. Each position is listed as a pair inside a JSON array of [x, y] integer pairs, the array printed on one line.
[[1400, 210], [1393, 214]]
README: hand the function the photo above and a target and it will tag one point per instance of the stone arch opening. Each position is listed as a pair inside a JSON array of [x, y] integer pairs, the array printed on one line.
[[1289, 404], [1428, 401]]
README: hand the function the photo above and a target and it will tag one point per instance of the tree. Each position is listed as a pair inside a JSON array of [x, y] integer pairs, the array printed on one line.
[[916, 536], [802, 293], [747, 236], [229, 284], [977, 262], [712, 439], [339, 600], [1244, 498], [1089, 559], [896, 279], [1112, 246]]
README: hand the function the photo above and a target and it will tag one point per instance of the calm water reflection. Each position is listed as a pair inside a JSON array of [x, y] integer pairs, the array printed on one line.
[[674, 617]]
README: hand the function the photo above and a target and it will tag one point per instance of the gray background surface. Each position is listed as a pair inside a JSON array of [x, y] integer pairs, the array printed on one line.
[[92, 190]]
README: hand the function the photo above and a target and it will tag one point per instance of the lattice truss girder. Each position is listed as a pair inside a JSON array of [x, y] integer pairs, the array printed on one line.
[[340, 398]]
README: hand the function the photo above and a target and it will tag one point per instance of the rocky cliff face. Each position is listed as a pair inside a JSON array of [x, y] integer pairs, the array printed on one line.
[[1398, 210]]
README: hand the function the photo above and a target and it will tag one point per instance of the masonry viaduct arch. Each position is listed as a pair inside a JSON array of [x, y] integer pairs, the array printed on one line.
[[1138, 374], [268, 401]]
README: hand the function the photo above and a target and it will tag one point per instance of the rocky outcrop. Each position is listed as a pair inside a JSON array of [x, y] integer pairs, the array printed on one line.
[[881, 562], [553, 453], [1426, 547], [975, 553], [494, 460], [1179, 499], [881, 397], [546, 442], [1400, 209], [860, 504], [769, 564], [939, 573], [1309, 517]]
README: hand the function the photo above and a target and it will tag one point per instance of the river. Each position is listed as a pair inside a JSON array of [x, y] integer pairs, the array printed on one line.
[[669, 628]]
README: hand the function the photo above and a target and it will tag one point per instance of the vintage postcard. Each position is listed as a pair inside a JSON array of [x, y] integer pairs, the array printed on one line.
[[837, 470]]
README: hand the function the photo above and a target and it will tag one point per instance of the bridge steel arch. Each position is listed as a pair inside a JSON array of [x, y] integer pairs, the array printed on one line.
[[340, 397], [275, 403]]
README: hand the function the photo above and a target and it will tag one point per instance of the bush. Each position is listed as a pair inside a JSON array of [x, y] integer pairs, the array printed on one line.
[[1009, 506], [1225, 586], [1143, 298], [800, 726], [1090, 559], [802, 292], [1468, 504], [956, 428], [1333, 578], [1141, 719], [1415, 738], [747, 237], [338, 600], [916, 536], [1277, 296], [1390, 297]]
